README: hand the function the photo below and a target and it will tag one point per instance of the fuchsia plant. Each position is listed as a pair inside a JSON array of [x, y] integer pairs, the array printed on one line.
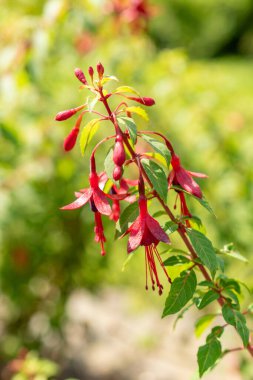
[[201, 279]]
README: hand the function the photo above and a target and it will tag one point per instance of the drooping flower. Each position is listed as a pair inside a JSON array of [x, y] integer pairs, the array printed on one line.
[[146, 231], [184, 178], [94, 194]]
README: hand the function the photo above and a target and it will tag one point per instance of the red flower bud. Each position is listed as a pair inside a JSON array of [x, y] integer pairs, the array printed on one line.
[[80, 76], [64, 115], [91, 72], [117, 173], [70, 140], [145, 101], [119, 154], [100, 70]]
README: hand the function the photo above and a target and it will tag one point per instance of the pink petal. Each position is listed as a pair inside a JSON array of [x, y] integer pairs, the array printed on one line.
[[199, 175], [79, 202], [171, 178], [117, 197], [156, 230], [187, 182], [101, 202], [136, 231]]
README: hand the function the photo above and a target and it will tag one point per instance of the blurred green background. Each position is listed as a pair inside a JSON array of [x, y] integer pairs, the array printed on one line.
[[195, 59]]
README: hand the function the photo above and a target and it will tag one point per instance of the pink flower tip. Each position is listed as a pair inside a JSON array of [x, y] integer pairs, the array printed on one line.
[[91, 72]]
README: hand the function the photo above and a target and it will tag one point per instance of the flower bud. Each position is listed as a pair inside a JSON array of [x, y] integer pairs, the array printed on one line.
[[91, 72], [70, 140], [64, 115], [100, 70], [117, 173], [119, 154], [145, 101], [80, 76]]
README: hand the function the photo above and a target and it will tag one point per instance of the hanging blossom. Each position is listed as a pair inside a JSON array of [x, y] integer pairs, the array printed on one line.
[[146, 231], [98, 204], [184, 178]]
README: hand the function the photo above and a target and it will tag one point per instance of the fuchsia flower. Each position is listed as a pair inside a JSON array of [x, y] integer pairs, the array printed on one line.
[[147, 232], [183, 177], [94, 194], [99, 232]]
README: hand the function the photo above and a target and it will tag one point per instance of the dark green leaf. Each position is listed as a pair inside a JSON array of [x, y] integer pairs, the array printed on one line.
[[159, 213], [129, 123], [158, 147], [210, 284], [208, 298], [203, 323], [170, 227], [127, 217], [229, 294], [176, 260], [236, 319], [216, 332], [109, 164], [204, 249], [181, 291], [208, 355], [157, 177], [220, 262]]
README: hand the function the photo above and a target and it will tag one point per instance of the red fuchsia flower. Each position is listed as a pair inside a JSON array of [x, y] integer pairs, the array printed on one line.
[[183, 177], [93, 194], [147, 232]]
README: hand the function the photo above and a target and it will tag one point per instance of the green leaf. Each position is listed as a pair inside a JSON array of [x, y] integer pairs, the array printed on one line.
[[235, 318], [87, 134], [127, 261], [203, 201], [107, 79], [209, 297], [159, 147], [157, 177], [208, 355], [139, 111], [170, 227], [126, 89], [159, 213], [229, 251], [176, 260], [127, 217], [203, 323], [204, 249], [210, 284], [109, 164], [216, 332], [129, 123], [181, 291]]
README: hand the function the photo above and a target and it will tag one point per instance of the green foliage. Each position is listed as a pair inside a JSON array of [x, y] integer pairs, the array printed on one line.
[[181, 291], [157, 177], [208, 355], [236, 319], [204, 250]]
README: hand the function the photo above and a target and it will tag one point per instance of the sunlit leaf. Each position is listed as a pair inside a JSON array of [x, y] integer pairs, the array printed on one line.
[[87, 134]]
